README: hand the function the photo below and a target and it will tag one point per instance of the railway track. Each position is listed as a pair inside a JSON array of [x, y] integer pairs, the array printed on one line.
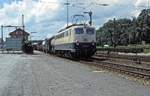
[[119, 68], [127, 57], [137, 72]]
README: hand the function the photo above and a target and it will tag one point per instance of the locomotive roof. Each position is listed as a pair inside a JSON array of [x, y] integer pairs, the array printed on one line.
[[50, 38], [72, 26]]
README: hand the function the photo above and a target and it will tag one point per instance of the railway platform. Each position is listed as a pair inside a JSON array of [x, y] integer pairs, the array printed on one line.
[[41, 74]]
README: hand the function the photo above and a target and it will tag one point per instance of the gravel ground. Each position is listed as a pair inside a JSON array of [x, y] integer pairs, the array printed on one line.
[[44, 75]]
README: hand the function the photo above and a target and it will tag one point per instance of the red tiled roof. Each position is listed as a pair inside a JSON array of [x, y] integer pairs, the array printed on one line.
[[19, 31]]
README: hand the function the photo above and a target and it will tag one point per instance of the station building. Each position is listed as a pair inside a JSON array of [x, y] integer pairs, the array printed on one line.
[[19, 33], [14, 42]]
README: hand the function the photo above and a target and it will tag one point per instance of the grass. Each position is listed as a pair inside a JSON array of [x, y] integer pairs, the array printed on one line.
[[134, 46], [129, 46], [147, 50]]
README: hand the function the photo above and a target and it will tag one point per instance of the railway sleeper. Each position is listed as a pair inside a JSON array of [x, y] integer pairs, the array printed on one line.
[[133, 73], [129, 67], [137, 72]]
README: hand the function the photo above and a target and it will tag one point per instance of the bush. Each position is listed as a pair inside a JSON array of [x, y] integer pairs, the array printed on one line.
[[126, 50]]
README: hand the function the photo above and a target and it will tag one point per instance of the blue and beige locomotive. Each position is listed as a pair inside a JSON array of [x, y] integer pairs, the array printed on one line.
[[77, 40]]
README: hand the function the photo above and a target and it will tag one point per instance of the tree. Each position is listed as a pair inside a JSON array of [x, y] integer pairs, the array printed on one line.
[[126, 31]]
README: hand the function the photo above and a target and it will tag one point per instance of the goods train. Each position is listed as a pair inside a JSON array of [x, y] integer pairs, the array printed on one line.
[[77, 41]]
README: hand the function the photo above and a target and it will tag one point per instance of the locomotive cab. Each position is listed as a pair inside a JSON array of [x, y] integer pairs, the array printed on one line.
[[85, 42]]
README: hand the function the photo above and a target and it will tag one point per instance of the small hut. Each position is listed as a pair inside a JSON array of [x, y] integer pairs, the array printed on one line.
[[19, 33]]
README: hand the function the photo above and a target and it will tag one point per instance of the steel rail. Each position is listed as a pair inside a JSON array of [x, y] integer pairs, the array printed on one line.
[[123, 69]]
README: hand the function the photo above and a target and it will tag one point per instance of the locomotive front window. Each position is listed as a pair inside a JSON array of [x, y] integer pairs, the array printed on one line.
[[79, 31], [90, 31]]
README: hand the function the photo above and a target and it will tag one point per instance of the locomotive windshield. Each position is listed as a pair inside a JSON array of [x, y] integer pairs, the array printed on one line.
[[90, 31], [79, 31]]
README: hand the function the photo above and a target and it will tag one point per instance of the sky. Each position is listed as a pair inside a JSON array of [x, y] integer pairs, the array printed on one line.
[[44, 18]]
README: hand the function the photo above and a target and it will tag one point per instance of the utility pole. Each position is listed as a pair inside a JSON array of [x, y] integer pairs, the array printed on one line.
[[67, 4], [148, 4], [91, 13], [114, 33], [23, 28], [23, 22], [2, 36], [148, 13]]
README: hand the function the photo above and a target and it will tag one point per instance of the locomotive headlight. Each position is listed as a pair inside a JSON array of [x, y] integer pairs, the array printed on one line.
[[77, 43], [93, 43]]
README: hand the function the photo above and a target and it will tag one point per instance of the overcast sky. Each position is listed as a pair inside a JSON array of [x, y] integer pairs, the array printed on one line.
[[46, 17]]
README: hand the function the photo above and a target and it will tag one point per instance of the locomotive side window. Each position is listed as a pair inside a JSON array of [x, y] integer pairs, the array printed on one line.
[[90, 31], [66, 33], [70, 32], [79, 31], [60, 36]]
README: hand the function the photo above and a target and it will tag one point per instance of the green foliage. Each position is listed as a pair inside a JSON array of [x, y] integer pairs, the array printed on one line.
[[125, 31], [146, 50]]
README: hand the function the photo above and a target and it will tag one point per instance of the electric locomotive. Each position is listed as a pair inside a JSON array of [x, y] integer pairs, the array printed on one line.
[[77, 40]]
